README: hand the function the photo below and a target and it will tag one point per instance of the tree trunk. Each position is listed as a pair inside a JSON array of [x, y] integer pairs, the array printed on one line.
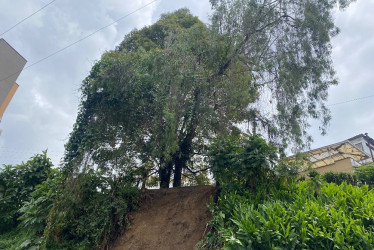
[[185, 146], [182, 157], [165, 174], [180, 164]]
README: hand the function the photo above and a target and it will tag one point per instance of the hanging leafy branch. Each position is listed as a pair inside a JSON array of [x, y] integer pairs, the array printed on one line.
[[286, 46]]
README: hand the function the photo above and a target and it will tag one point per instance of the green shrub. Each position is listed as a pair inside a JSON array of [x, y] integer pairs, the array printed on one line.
[[15, 240], [339, 178], [248, 165], [89, 212], [42, 209], [339, 217], [313, 173], [365, 174], [34, 212], [16, 185], [242, 163]]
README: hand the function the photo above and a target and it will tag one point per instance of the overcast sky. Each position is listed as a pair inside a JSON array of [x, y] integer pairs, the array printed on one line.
[[43, 111]]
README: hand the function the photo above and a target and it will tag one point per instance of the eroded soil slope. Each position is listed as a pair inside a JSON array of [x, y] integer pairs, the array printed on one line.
[[168, 219]]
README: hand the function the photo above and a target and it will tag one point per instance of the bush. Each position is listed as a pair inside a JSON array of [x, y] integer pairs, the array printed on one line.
[[16, 185], [248, 165], [313, 174], [42, 209], [89, 212], [365, 174], [339, 178], [14, 240], [340, 217], [242, 163]]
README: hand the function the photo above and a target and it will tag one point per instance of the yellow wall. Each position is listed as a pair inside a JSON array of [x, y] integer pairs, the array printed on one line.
[[344, 165]]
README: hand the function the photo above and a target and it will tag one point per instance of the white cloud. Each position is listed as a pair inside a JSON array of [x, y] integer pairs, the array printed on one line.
[[39, 100]]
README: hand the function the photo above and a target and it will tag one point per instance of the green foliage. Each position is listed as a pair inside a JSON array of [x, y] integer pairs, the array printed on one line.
[[155, 36], [313, 174], [170, 88], [365, 174], [50, 211], [243, 163], [17, 239], [154, 100], [34, 213], [196, 179], [154, 105], [16, 185], [282, 213], [339, 178], [339, 217], [89, 212], [288, 47]]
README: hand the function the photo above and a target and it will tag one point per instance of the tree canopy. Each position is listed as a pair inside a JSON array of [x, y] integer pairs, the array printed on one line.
[[286, 47], [152, 105]]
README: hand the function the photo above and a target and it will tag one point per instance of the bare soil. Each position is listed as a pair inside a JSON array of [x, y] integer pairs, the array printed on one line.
[[175, 218]]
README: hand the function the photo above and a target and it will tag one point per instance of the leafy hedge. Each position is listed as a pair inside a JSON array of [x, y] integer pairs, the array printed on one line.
[[338, 217], [340, 177], [362, 175]]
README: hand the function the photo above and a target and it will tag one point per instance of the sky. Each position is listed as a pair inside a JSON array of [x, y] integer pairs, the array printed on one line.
[[43, 111]]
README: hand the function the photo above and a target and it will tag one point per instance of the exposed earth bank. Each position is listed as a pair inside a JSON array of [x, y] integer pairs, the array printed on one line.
[[172, 219]]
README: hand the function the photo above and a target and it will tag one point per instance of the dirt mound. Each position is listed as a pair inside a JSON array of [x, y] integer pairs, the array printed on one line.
[[168, 219]]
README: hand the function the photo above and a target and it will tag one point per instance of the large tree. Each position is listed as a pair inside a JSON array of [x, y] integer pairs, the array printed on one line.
[[155, 102]]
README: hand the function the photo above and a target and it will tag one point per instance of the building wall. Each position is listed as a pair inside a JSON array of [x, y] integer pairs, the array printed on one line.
[[11, 65], [339, 166]]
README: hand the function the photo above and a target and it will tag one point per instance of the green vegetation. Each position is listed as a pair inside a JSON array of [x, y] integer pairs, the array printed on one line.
[[159, 99], [339, 178], [335, 217], [25, 202], [167, 106], [265, 207], [91, 216], [362, 175], [365, 174], [17, 183], [38, 211]]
